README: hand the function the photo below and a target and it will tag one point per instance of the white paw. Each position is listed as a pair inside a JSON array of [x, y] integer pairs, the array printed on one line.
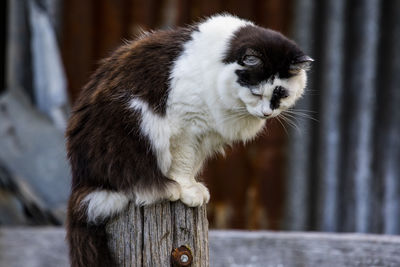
[[195, 194], [173, 192]]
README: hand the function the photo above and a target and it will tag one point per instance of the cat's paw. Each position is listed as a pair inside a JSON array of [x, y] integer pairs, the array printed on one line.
[[173, 192], [195, 194]]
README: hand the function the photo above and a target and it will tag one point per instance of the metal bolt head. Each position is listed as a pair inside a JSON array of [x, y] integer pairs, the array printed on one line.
[[184, 258], [181, 256]]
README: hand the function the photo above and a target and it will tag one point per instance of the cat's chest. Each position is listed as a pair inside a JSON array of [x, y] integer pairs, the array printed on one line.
[[189, 150], [192, 121]]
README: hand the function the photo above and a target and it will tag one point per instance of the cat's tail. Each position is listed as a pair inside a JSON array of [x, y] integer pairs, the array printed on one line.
[[88, 213]]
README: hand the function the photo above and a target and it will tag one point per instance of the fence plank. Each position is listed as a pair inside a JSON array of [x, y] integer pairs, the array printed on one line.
[[251, 249], [46, 246]]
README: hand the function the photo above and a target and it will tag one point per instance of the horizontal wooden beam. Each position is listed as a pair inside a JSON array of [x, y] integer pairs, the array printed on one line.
[[46, 247], [262, 248]]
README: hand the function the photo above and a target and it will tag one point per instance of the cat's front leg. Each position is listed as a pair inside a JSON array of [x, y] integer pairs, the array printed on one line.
[[187, 160]]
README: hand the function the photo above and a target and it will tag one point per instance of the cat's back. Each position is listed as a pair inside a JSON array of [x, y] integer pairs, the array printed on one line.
[[139, 68], [147, 66], [147, 70]]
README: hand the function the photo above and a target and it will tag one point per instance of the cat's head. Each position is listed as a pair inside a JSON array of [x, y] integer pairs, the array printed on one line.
[[269, 70]]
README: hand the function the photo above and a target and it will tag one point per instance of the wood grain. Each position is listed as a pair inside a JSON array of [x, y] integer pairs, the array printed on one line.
[[146, 236], [292, 249], [46, 247]]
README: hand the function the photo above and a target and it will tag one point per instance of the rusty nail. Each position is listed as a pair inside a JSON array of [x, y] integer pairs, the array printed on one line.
[[181, 256]]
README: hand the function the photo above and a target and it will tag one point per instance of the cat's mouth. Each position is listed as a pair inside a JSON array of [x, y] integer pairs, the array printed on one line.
[[266, 114], [273, 114]]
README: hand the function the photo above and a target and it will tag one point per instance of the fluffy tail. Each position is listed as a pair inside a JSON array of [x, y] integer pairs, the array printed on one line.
[[88, 213], [88, 246]]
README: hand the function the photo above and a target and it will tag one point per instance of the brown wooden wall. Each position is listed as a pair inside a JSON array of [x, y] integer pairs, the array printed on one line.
[[247, 186]]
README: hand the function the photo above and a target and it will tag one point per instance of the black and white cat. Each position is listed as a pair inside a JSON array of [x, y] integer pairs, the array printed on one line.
[[159, 106]]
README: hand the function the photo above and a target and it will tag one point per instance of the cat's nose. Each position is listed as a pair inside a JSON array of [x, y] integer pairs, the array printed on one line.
[[266, 112]]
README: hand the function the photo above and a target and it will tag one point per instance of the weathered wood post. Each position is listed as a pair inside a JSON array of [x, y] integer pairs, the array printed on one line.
[[147, 236]]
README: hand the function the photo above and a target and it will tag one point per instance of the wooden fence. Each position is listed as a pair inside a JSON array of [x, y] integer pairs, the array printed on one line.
[[45, 247]]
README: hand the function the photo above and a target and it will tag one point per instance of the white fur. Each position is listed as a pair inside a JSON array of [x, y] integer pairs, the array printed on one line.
[[205, 109], [149, 196], [103, 204], [158, 130]]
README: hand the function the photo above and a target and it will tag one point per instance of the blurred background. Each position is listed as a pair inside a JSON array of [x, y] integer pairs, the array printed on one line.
[[335, 166]]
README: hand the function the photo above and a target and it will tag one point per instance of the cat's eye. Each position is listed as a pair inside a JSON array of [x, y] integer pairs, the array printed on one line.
[[256, 92], [251, 60], [300, 63], [294, 71]]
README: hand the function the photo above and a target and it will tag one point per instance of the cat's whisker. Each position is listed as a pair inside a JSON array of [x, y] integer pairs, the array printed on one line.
[[312, 94], [300, 114], [240, 110], [290, 121], [283, 126], [290, 118], [285, 120], [302, 110], [232, 116], [235, 116], [293, 124], [233, 119], [297, 112]]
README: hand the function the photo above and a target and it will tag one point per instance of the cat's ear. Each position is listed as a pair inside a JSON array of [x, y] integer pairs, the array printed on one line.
[[300, 63]]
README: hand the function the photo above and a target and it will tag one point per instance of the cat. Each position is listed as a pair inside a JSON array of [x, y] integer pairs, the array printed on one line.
[[159, 106]]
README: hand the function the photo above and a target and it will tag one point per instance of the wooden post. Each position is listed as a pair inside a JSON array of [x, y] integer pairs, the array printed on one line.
[[147, 236]]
